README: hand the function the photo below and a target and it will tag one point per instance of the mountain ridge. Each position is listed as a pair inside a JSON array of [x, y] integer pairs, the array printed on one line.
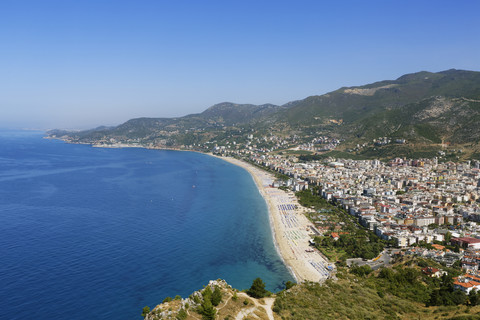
[[424, 107]]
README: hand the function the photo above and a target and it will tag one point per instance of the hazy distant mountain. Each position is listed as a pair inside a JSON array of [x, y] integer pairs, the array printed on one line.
[[421, 106]]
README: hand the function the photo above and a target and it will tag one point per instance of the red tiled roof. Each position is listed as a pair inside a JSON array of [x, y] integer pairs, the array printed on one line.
[[469, 284], [467, 240], [430, 270], [473, 277]]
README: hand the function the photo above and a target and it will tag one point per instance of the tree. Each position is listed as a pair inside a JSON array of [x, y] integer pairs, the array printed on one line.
[[207, 293], [458, 297], [257, 290], [208, 310], [182, 314], [386, 273], [216, 296], [473, 298], [361, 271], [435, 299], [145, 311], [448, 237], [289, 284], [457, 264], [432, 226]]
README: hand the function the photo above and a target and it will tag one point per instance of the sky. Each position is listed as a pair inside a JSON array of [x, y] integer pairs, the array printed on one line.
[[80, 64]]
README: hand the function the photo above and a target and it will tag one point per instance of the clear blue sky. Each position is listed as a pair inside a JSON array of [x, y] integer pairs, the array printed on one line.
[[83, 63]]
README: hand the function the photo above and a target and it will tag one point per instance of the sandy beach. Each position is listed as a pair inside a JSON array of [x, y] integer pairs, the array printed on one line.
[[290, 227]]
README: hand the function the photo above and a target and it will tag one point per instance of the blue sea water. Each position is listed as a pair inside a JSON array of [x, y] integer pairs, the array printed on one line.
[[91, 233]]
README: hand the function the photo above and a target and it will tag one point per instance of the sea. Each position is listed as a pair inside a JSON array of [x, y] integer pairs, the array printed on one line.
[[97, 233]]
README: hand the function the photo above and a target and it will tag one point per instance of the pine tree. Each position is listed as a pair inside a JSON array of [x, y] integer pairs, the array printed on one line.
[[216, 296], [207, 293], [208, 310], [257, 290]]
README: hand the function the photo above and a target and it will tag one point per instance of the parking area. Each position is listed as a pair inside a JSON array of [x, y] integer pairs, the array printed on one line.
[[384, 259]]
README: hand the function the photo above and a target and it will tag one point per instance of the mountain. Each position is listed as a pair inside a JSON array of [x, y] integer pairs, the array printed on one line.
[[422, 107], [356, 103], [171, 132], [230, 114]]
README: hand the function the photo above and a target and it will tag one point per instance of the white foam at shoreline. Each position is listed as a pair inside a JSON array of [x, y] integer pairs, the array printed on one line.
[[301, 264]]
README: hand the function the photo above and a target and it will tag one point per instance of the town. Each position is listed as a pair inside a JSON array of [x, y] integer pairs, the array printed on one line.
[[417, 204], [427, 207]]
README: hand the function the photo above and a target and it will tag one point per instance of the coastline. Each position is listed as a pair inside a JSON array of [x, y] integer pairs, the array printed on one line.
[[291, 230], [290, 227]]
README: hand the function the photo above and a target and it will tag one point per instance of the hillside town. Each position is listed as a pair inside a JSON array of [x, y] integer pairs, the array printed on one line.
[[414, 203], [409, 201]]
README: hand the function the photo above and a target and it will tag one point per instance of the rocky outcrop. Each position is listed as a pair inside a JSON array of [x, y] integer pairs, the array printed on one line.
[[233, 305]]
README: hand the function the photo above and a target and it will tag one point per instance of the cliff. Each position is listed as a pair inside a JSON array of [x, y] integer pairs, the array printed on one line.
[[232, 305]]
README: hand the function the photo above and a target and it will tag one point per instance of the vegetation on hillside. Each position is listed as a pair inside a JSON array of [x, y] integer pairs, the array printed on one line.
[[424, 108], [401, 292], [257, 290], [354, 241]]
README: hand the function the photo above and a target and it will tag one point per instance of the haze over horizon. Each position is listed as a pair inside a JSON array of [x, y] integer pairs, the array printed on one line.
[[81, 64]]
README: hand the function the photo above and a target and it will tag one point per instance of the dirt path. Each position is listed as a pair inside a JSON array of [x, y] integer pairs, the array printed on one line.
[[242, 314], [225, 303], [267, 307]]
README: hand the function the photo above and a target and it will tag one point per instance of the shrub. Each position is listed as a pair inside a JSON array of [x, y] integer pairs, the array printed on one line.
[[289, 284], [257, 290], [182, 314], [361, 270], [196, 299], [145, 311]]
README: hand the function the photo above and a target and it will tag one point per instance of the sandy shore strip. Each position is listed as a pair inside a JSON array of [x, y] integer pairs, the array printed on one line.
[[290, 227]]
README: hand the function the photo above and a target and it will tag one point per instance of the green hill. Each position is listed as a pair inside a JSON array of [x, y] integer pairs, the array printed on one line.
[[402, 291], [423, 108], [377, 108]]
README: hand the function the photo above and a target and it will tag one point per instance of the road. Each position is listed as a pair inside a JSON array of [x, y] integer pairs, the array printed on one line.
[[383, 260]]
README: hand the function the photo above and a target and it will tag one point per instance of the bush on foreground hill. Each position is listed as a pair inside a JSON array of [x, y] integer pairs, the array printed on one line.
[[399, 292], [257, 290]]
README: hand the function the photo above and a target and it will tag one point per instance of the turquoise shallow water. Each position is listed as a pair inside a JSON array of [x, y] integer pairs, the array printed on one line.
[[89, 233]]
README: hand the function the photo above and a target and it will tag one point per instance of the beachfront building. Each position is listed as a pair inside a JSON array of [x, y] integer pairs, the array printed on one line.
[[409, 201]]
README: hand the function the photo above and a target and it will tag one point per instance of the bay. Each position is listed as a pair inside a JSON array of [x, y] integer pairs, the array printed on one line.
[[92, 233]]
